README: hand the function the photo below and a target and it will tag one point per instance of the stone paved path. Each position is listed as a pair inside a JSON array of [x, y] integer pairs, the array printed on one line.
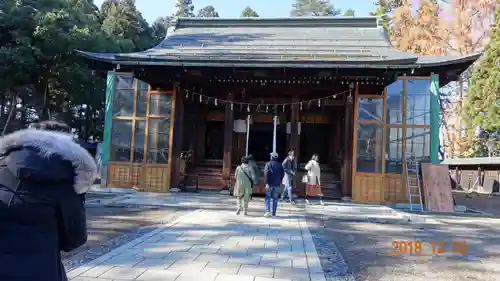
[[208, 245]]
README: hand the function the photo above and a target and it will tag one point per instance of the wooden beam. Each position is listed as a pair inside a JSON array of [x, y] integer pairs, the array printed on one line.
[[228, 140], [295, 140], [348, 144], [176, 139]]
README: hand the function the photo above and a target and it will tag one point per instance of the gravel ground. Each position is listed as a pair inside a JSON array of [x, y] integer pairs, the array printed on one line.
[[367, 248], [110, 227]]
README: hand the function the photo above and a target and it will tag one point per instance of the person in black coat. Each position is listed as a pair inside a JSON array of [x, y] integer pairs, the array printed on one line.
[[43, 176]]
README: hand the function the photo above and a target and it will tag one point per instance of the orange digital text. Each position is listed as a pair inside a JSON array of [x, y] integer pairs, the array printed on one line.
[[431, 247]]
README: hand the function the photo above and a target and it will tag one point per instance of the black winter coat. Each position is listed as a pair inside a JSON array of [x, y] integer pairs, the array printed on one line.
[[42, 178], [273, 173]]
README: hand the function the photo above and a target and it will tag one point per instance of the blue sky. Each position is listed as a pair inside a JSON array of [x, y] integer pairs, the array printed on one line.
[[152, 9]]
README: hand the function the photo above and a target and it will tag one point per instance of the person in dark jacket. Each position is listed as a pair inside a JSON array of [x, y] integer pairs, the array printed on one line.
[[255, 169], [43, 176], [273, 175], [290, 167]]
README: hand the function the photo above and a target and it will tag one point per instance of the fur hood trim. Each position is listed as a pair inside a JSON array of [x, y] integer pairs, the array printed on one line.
[[55, 143]]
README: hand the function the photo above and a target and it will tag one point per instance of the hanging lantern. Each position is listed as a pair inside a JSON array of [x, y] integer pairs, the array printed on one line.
[[319, 103], [201, 99]]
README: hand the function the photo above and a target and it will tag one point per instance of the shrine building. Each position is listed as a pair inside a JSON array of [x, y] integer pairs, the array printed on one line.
[[216, 89]]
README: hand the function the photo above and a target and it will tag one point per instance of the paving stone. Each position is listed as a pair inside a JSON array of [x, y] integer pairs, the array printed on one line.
[[84, 279], [123, 261], [182, 255], [275, 261], [313, 263], [319, 277], [291, 255], [212, 258], [256, 270], [261, 251], [204, 249], [299, 263], [292, 273], [247, 259], [158, 275], [152, 253], [193, 240], [171, 247], [270, 279], [225, 268], [123, 273], [232, 277], [96, 271], [197, 276], [233, 251], [155, 263], [187, 266]]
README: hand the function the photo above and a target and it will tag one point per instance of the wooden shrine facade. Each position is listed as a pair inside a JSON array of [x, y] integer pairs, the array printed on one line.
[[336, 85]]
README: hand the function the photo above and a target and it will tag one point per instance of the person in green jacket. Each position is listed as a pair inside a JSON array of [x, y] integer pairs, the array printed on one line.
[[245, 178]]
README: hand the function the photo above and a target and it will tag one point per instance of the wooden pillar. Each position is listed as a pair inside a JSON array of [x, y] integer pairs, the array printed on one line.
[[294, 129], [348, 144], [200, 133], [176, 139], [228, 141], [332, 151], [299, 188]]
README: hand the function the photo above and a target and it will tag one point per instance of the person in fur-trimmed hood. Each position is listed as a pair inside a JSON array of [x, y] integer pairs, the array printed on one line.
[[43, 175]]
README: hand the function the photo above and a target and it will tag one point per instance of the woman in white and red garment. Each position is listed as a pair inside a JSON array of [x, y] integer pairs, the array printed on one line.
[[314, 179]]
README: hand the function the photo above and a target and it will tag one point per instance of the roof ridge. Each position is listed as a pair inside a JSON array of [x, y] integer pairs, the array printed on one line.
[[362, 22]]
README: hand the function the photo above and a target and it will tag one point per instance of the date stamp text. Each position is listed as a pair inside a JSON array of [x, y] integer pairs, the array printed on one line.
[[433, 247]]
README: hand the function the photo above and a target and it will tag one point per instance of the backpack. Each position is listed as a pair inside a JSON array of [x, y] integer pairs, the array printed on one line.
[[257, 173]]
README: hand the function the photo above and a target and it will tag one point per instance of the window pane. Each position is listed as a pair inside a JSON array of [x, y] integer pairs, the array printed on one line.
[[369, 148], [394, 151], [158, 140], [418, 103], [125, 82], [141, 103], [139, 136], [418, 142], [161, 104], [371, 109], [395, 93], [123, 103], [121, 140]]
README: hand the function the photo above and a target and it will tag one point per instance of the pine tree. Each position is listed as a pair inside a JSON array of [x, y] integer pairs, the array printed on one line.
[[124, 21], [482, 105], [159, 29], [184, 8], [208, 12], [382, 13], [249, 13], [349, 13], [314, 8]]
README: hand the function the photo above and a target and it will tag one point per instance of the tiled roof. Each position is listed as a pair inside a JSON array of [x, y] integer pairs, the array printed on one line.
[[300, 42]]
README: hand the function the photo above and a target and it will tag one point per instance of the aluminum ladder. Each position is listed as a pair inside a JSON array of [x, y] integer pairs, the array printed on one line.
[[413, 166]]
